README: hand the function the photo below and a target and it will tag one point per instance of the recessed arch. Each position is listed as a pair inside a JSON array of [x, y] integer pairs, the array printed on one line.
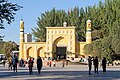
[[39, 51], [57, 40], [30, 52], [59, 47]]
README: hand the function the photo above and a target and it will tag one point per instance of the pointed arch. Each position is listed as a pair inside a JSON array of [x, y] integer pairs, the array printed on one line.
[[59, 47], [58, 39], [39, 53], [30, 52]]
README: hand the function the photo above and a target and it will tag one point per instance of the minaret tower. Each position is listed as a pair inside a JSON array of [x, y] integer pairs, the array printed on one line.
[[21, 39], [88, 32]]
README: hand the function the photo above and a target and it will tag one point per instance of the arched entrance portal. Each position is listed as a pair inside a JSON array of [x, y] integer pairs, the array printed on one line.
[[60, 48], [30, 52], [61, 52]]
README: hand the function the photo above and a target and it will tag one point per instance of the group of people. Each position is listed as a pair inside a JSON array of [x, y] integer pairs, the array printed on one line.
[[96, 63], [39, 65], [54, 63], [13, 61]]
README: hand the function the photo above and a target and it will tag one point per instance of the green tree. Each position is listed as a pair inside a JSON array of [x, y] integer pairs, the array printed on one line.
[[8, 47], [49, 18], [105, 19], [1, 47], [7, 11]]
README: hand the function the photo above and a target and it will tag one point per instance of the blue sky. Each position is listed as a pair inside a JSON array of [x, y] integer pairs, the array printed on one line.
[[31, 11]]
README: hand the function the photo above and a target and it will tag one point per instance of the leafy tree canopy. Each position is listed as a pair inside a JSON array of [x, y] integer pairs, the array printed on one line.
[[105, 19], [7, 47], [7, 11]]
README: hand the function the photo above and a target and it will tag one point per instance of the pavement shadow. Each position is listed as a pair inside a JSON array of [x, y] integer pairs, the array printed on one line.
[[62, 75]]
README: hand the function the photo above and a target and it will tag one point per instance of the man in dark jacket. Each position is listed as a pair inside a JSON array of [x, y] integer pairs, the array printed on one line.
[[39, 64], [14, 62], [104, 64], [96, 64], [90, 64]]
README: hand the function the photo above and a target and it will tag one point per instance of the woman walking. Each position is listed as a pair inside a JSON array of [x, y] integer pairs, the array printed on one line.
[[30, 65], [10, 63]]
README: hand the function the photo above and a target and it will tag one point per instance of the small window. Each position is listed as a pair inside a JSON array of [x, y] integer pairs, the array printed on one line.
[[70, 47], [71, 31], [70, 36], [47, 48], [55, 31], [63, 31], [67, 31], [59, 31], [70, 42]]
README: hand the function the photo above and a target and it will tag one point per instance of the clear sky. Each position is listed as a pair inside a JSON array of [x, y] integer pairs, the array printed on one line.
[[31, 11]]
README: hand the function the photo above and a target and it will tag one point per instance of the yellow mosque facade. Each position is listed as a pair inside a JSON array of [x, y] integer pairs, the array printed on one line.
[[60, 42]]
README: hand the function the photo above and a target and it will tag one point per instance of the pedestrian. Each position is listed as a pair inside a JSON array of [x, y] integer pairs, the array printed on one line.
[[21, 62], [90, 64], [24, 64], [30, 65], [10, 63], [39, 64], [96, 64], [33, 59], [104, 64], [108, 62], [66, 62], [50, 63], [3, 63], [100, 63], [63, 63], [15, 61], [54, 63]]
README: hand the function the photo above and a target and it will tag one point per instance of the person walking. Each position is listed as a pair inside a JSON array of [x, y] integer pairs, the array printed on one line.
[[63, 63], [30, 65], [66, 62], [96, 64], [10, 63], [3, 63], [104, 64], [15, 61], [90, 64], [54, 63], [21, 62], [39, 64], [50, 63]]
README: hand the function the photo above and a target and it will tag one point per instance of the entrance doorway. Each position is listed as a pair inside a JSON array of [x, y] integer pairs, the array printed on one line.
[[61, 52]]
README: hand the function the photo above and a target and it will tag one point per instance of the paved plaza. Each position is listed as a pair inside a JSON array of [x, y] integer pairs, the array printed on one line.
[[70, 72]]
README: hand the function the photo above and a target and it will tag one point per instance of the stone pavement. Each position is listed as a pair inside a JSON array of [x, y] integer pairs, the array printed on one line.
[[70, 72]]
